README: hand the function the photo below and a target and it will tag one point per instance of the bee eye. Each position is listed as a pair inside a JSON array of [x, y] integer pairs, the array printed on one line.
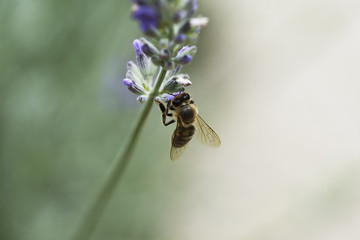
[[186, 97], [176, 102]]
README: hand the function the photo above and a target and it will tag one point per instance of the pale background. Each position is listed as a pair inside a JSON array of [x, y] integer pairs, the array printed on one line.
[[278, 81], [289, 167]]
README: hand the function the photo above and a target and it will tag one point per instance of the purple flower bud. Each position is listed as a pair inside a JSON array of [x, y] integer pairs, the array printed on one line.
[[184, 48], [180, 38], [185, 59], [170, 97], [138, 47], [133, 87], [193, 7], [140, 56], [128, 82], [185, 54], [147, 17]]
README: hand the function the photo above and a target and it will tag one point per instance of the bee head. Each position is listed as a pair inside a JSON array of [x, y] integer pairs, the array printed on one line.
[[181, 98]]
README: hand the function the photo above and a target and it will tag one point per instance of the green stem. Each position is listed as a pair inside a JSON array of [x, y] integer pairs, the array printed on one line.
[[117, 169]]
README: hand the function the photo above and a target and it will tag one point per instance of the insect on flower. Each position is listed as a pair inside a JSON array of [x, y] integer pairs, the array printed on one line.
[[171, 29], [184, 111]]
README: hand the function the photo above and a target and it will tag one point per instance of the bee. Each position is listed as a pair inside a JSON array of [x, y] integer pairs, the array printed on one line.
[[184, 111]]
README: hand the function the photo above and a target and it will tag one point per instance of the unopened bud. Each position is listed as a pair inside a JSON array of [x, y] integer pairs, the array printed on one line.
[[148, 48]]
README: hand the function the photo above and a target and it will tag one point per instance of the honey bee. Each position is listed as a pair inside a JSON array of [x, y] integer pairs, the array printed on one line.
[[184, 111]]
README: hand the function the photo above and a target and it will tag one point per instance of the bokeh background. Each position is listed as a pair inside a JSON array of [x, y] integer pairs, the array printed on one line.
[[278, 80]]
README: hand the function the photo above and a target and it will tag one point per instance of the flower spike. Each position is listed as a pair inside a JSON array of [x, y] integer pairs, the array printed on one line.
[[171, 29]]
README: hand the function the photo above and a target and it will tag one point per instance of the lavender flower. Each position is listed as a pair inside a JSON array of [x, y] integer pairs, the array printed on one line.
[[147, 17], [181, 37], [185, 55], [171, 25], [170, 29], [140, 76], [192, 6]]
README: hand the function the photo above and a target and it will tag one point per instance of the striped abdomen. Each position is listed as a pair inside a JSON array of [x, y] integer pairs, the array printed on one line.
[[182, 135]]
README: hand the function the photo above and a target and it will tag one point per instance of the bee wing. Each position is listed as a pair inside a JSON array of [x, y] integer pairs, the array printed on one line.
[[205, 134], [176, 152]]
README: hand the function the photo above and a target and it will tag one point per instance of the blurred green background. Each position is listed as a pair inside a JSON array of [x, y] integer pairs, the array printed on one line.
[[64, 115], [277, 80]]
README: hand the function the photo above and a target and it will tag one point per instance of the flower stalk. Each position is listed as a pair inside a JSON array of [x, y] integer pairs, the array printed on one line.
[[117, 169], [171, 30]]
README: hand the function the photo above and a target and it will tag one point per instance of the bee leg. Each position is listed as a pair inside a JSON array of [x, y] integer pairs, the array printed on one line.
[[161, 106], [168, 123], [168, 114], [167, 110], [164, 113]]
